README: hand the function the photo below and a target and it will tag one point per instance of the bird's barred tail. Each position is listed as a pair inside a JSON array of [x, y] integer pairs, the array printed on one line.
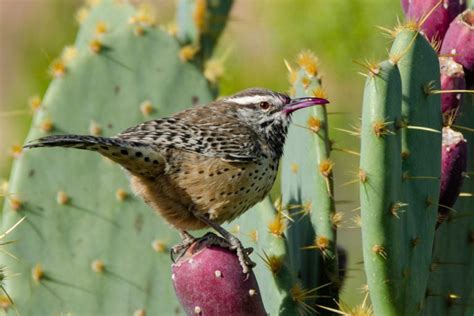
[[94, 143], [137, 157]]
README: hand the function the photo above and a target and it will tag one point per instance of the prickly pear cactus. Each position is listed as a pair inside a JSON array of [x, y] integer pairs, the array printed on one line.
[[399, 186], [381, 180], [88, 246], [421, 138], [201, 32], [308, 189], [450, 289]]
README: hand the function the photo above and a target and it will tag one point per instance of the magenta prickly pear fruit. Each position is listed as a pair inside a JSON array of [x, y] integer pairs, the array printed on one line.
[[452, 78], [405, 5], [209, 281], [453, 167], [459, 40], [454, 7], [437, 23]]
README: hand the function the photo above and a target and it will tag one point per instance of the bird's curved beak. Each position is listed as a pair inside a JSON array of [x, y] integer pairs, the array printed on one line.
[[301, 103]]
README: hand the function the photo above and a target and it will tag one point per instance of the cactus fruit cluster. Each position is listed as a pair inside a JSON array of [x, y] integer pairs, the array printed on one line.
[[456, 75], [450, 289], [434, 16], [413, 164], [459, 40], [88, 246]]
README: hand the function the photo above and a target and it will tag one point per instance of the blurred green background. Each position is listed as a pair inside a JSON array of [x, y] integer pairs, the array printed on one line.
[[259, 36]]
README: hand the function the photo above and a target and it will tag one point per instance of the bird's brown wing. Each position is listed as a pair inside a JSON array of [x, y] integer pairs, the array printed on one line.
[[209, 134]]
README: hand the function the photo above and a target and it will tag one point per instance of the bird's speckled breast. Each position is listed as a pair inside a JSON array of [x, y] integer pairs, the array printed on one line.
[[195, 183]]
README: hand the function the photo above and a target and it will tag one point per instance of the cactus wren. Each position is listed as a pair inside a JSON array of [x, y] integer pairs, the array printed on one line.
[[205, 165]]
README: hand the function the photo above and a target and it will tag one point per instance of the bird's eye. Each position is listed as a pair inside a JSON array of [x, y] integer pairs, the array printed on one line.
[[264, 105]]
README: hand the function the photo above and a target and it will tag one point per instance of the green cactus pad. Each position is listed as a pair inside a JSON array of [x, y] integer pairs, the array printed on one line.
[[399, 212], [421, 138], [96, 248], [307, 189], [200, 24], [380, 188]]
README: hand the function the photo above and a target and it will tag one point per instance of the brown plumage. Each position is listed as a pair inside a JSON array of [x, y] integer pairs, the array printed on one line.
[[205, 165], [193, 183]]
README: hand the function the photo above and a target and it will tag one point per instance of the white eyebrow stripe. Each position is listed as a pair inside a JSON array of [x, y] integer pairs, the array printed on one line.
[[253, 99]]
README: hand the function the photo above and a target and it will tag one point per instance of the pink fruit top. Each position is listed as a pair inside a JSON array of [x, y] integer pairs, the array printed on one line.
[[459, 40], [452, 78]]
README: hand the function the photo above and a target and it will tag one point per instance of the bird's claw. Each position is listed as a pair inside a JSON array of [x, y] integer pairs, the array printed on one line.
[[178, 251], [211, 239], [243, 254]]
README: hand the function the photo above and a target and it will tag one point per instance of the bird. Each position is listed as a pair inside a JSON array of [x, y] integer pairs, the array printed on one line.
[[203, 166]]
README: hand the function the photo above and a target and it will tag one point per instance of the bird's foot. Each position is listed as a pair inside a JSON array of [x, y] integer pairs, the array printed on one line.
[[232, 243], [178, 251], [229, 241], [242, 253]]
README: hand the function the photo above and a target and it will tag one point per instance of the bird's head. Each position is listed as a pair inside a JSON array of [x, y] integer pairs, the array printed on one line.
[[269, 112]]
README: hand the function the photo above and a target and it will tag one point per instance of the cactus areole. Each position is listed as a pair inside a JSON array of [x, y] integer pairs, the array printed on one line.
[[209, 281]]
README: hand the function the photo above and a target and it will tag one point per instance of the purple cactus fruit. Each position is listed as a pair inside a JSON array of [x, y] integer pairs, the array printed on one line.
[[455, 7], [209, 281], [437, 23], [405, 5], [453, 167], [452, 78], [459, 40]]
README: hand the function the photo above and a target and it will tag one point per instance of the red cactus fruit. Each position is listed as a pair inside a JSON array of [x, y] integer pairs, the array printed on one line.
[[452, 78], [459, 40], [209, 281], [453, 167], [437, 23]]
